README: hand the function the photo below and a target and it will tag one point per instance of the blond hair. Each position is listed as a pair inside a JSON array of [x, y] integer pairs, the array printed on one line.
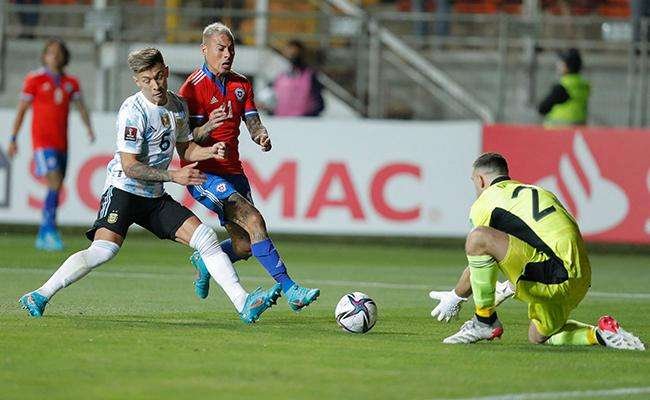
[[217, 28]]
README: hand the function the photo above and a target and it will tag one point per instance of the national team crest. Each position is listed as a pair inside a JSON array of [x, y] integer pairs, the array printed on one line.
[[239, 93], [166, 121], [112, 218], [221, 187]]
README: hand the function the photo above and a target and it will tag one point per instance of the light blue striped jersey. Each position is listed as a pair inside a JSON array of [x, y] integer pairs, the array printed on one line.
[[151, 132]]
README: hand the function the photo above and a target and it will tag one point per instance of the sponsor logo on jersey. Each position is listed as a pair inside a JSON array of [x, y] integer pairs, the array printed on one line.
[[213, 100], [130, 133], [239, 93], [166, 121], [112, 218], [221, 187]]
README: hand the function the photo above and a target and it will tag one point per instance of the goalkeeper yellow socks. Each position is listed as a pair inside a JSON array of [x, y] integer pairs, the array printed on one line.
[[483, 277], [574, 333]]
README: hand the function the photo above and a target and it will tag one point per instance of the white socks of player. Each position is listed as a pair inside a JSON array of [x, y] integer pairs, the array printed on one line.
[[204, 240], [79, 265]]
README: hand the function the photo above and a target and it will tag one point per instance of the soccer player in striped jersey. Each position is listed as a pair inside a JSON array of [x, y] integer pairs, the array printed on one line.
[[527, 234], [150, 125], [49, 91], [218, 99]]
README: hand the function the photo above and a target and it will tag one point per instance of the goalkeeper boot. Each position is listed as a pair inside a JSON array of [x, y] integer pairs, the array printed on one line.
[[503, 291], [202, 281], [474, 330], [612, 335], [259, 301], [300, 297], [34, 303]]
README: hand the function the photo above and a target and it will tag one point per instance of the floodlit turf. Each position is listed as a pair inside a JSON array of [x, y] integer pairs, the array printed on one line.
[[134, 330]]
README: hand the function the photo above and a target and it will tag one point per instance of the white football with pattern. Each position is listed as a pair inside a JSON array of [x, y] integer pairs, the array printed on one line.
[[356, 313]]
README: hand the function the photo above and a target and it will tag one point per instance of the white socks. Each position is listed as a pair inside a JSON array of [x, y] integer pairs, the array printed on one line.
[[79, 265], [204, 240]]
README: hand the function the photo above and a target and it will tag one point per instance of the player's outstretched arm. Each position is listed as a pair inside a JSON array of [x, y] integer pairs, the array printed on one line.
[[258, 132], [134, 169], [85, 118], [191, 152], [23, 106]]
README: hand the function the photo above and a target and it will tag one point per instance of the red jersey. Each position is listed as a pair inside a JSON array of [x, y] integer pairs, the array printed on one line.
[[50, 96], [204, 92]]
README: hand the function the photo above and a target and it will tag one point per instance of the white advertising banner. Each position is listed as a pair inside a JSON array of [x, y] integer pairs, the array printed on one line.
[[322, 176]]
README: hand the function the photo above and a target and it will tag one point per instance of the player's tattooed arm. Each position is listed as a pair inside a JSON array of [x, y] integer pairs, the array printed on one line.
[[258, 132], [134, 169]]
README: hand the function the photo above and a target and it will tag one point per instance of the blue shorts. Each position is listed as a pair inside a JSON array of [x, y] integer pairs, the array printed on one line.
[[49, 160], [216, 190]]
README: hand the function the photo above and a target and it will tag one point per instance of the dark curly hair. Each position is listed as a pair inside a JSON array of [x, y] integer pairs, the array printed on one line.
[[62, 45]]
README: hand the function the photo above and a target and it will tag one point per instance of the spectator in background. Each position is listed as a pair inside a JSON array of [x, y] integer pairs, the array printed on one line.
[[567, 103], [49, 91], [640, 9], [28, 19], [442, 24], [224, 14], [297, 91]]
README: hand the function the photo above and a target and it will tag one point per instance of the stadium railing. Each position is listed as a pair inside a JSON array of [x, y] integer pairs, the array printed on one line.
[[500, 62]]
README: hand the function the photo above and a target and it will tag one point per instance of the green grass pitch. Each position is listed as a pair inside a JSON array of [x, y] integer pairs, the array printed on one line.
[[133, 329]]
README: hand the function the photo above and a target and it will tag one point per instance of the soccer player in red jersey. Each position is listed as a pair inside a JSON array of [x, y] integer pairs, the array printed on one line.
[[49, 91], [218, 100]]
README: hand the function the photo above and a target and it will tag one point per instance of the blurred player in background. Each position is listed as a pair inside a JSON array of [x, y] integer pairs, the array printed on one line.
[[150, 125], [218, 100], [525, 232], [49, 91]]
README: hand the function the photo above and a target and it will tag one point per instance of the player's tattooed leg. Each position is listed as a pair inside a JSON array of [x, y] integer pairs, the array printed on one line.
[[241, 243], [243, 213]]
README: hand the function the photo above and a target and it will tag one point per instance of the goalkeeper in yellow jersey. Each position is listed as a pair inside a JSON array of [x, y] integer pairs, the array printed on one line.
[[525, 232]]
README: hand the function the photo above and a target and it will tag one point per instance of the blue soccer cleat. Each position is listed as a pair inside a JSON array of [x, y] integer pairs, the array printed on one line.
[[202, 281], [300, 297], [258, 302], [49, 240], [34, 303]]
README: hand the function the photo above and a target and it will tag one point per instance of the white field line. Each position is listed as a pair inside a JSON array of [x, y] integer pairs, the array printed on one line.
[[320, 282], [577, 394]]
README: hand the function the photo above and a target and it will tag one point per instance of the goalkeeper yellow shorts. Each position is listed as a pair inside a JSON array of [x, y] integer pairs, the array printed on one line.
[[549, 304]]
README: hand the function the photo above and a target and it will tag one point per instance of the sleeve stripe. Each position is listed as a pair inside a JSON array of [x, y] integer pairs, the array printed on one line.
[[197, 116], [251, 112], [26, 96]]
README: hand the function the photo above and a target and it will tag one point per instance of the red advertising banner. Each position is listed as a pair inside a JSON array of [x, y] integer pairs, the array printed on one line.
[[602, 175]]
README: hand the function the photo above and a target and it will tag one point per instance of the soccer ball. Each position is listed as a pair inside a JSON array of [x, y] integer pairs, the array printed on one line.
[[356, 313]]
